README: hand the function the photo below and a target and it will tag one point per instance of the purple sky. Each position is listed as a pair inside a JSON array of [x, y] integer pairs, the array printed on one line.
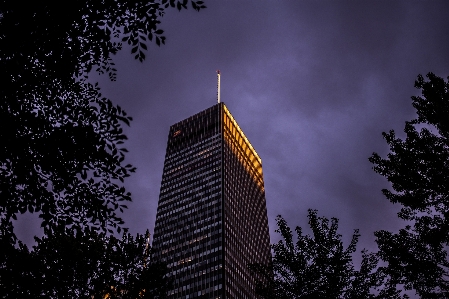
[[311, 83]]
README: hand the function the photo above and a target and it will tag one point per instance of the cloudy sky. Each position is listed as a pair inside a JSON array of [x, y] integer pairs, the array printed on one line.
[[313, 84]]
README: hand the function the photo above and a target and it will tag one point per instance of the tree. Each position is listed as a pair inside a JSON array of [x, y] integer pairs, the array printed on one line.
[[61, 153], [418, 170], [83, 264], [319, 266]]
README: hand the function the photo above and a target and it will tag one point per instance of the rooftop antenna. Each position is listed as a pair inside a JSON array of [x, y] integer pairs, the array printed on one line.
[[218, 86]]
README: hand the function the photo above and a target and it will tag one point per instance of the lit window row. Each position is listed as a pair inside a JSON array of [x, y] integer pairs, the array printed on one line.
[[189, 214], [186, 187], [203, 170], [189, 165], [193, 258], [207, 142], [167, 237], [188, 203], [181, 199]]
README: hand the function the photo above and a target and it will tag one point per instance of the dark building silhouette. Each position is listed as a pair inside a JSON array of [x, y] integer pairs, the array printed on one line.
[[212, 219]]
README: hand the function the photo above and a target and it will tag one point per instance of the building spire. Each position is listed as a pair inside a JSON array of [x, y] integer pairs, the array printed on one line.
[[218, 86]]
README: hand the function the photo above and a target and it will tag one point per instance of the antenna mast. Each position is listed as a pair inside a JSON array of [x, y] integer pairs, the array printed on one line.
[[218, 86]]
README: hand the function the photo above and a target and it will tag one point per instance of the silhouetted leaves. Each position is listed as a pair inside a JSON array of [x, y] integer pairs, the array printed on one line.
[[82, 264], [418, 169], [319, 266], [60, 153]]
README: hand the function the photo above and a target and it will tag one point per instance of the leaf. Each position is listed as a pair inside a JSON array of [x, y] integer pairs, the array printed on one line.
[[142, 56]]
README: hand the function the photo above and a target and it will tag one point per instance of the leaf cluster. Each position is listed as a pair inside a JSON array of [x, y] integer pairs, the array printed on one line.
[[418, 169], [61, 40], [82, 264], [319, 266], [62, 158], [62, 153]]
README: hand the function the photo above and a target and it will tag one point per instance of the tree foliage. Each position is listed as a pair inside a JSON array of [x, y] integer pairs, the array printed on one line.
[[69, 264], [418, 169], [62, 153], [61, 40], [319, 266]]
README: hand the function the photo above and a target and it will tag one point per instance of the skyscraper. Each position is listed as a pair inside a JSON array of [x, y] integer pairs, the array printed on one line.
[[212, 219]]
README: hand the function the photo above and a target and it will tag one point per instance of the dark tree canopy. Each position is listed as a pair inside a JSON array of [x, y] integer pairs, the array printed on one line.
[[418, 169], [69, 264], [46, 40], [319, 266], [61, 150], [62, 153]]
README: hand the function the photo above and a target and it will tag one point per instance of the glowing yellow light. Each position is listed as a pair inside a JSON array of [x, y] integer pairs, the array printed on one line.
[[245, 152]]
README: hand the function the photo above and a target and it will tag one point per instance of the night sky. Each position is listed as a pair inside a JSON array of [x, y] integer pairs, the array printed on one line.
[[313, 84]]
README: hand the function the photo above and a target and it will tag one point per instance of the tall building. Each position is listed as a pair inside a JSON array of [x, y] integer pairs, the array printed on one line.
[[212, 218]]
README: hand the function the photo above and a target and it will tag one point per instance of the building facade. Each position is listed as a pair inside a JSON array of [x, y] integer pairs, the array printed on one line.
[[212, 219]]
